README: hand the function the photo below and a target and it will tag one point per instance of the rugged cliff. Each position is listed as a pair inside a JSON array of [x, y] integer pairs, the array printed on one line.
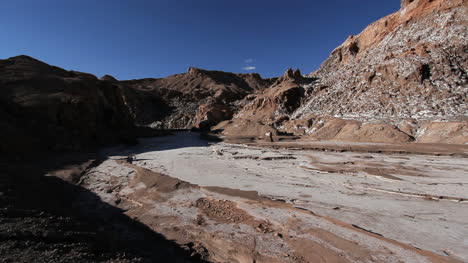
[[46, 108], [390, 83], [410, 64], [402, 79]]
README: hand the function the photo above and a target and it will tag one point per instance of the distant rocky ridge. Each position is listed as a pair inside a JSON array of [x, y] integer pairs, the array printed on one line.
[[198, 98], [46, 108], [403, 79]]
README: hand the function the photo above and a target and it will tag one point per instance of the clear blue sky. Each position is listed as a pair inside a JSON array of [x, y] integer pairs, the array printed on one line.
[[141, 38]]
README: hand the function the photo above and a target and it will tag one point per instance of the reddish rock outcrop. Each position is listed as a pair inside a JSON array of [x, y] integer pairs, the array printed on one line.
[[211, 114], [271, 107], [410, 65], [183, 101]]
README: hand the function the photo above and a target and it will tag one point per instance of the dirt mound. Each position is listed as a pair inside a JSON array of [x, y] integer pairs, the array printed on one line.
[[331, 128], [444, 132], [244, 127], [224, 211], [372, 133], [161, 182]]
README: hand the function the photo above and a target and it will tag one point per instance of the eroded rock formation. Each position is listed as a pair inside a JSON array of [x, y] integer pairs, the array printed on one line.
[[410, 64], [44, 107], [406, 69], [403, 78], [192, 99]]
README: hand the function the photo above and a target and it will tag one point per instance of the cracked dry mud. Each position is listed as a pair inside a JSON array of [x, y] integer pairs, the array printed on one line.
[[239, 203]]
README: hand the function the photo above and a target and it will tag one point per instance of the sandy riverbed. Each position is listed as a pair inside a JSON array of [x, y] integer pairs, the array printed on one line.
[[407, 200]]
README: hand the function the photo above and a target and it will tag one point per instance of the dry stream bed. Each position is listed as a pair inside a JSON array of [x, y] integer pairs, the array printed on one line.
[[251, 203]]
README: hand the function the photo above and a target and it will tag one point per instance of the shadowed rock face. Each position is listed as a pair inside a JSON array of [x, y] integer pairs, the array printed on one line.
[[47, 108]]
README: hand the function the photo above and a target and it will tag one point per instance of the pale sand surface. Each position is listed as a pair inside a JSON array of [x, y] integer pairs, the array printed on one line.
[[419, 200]]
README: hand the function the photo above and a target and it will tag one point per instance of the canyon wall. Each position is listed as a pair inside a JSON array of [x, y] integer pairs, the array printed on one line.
[[402, 79]]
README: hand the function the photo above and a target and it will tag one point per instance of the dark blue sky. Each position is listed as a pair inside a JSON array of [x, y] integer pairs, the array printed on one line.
[[142, 38]]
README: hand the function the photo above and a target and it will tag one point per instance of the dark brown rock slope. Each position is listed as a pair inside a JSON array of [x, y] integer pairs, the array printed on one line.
[[402, 79], [44, 108]]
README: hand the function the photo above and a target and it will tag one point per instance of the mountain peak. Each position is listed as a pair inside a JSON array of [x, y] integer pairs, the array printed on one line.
[[290, 75], [22, 57], [108, 78], [194, 71]]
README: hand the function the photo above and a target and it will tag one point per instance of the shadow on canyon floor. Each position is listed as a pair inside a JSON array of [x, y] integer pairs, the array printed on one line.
[[47, 219], [163, 143]]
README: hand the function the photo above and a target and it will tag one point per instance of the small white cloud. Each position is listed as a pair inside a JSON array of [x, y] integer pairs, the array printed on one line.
[[249, 68], [249, 60]]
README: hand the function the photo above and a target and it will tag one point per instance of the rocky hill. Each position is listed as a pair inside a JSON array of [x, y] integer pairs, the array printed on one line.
[[403, 78], [45, 108], [198, 98], [410, 64]]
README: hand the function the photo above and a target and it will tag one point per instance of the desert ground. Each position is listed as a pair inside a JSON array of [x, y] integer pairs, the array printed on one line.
[[363, 159], [291, 201]]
